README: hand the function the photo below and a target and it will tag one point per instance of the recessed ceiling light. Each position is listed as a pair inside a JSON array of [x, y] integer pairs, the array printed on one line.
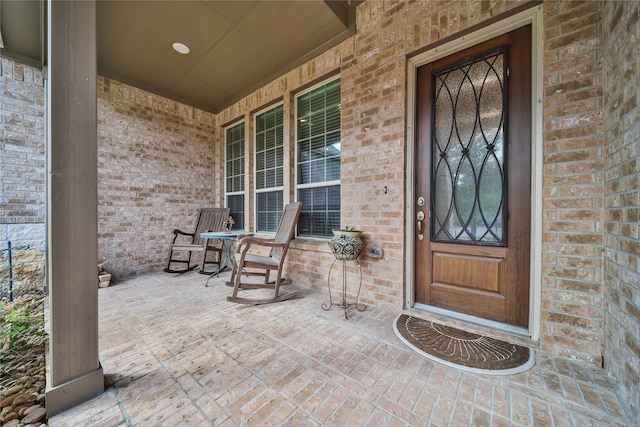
[[181, 48]]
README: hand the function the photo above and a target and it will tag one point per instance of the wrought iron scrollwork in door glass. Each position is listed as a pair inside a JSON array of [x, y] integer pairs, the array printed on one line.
[[468, 183]]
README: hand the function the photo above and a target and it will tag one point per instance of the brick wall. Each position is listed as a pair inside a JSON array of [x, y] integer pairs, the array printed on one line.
[[573, 181], [372, 67], [622, 202], [22, 175], [156, 170]]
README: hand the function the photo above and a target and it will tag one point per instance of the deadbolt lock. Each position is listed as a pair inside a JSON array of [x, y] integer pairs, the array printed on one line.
[[420, 216], [420, 201]]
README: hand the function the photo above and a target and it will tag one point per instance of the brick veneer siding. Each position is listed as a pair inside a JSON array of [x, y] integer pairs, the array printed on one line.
[[573, 158], [156, 170], [23, 175], [622, 202], [372, 67]]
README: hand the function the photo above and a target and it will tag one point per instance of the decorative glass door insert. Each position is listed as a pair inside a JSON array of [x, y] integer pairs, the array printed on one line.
[[468, 160]]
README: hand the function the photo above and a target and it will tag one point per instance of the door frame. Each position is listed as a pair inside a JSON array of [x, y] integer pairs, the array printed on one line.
[[533, 17]]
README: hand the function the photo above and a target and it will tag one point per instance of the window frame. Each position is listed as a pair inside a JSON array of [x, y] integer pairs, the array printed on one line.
[[257, 191], [243, 191], [324, 184]]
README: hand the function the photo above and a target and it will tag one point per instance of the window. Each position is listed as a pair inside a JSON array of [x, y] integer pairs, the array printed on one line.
[[268, 169], [234, 173], [318, 159]]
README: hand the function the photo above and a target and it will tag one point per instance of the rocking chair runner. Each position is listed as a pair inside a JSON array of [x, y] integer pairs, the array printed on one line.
[[275, 261], [209, 219]]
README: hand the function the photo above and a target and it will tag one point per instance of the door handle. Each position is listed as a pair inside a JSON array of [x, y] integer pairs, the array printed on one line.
[[420, 217]]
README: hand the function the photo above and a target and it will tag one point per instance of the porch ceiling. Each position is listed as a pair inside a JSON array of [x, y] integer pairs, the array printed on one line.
[[236, 46]]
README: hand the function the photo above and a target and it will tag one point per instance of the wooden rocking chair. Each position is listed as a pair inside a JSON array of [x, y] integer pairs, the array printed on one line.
[[275, 261], [209, 219]]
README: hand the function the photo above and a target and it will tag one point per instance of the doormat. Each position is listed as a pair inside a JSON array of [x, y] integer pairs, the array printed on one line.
[[461, 349]]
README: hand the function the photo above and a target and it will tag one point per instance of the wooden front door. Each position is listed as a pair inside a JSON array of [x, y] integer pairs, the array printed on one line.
[[473, 180]]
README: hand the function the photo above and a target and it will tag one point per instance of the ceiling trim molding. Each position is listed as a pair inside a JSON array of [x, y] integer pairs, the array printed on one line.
[[25, 60], [153, 90], [17, 11], [341, 9], [345, 35], [283, 71]]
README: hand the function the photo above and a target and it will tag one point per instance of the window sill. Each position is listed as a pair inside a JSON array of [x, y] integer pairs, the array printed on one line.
[[311, 244]]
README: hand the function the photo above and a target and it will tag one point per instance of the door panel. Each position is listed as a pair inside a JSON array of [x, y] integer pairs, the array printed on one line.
[[474, 302], [473, 169], [468, 271]]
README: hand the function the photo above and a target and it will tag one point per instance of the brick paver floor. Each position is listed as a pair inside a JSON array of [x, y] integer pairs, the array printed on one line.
[[177, 353]]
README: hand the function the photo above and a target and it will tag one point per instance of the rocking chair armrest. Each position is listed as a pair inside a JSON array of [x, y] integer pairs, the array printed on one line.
[[176, 232], [244, 243], [249, 240]]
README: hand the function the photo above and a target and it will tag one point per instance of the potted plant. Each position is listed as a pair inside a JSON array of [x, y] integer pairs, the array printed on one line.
[[346, 243], [228, 223], [348, 231], [104, 278]]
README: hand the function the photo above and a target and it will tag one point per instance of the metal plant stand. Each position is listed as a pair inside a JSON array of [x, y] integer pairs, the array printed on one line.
[[344, 304], [345, 248]]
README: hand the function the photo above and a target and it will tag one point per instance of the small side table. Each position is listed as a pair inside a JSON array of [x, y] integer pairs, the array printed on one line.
[[345, 249], [227, 238]]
